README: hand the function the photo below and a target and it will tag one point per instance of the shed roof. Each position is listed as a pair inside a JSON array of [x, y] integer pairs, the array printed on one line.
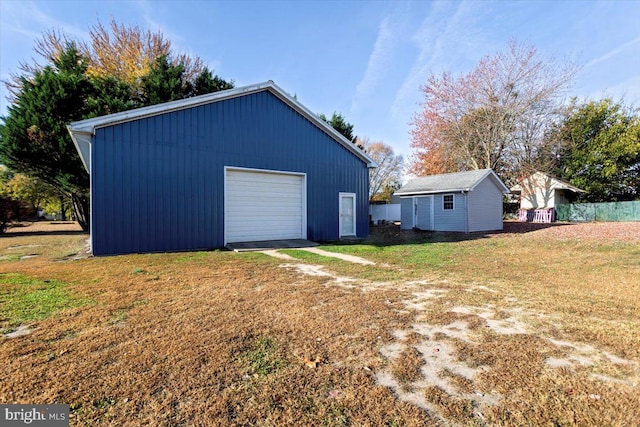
[[450, 182], [82, 131]]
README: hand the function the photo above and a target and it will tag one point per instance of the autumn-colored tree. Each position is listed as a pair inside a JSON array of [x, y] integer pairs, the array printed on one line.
[[387, 177], [32, 190], [124, 53], [495, 116]]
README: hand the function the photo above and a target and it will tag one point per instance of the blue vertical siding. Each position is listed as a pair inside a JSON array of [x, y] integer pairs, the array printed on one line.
[[158, 182]]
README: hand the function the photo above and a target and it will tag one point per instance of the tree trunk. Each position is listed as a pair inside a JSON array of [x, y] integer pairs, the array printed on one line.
[[63, 214], [80, 203]]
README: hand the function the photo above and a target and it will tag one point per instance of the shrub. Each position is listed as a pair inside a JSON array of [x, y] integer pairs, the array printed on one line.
[[10, 210]]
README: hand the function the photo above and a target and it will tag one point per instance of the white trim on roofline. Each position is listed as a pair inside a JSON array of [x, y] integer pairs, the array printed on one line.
[[80, 130], [505, 189], [558, 184], [417, 193]]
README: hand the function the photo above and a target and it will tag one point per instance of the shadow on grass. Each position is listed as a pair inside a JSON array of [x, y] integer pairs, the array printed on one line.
[[391, 234], [43, 228], [43, 233]]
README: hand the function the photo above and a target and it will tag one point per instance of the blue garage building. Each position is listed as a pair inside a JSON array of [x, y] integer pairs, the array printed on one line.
[[246, 164]]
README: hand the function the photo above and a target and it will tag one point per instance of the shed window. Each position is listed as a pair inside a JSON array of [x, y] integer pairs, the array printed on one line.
[[447, 202]]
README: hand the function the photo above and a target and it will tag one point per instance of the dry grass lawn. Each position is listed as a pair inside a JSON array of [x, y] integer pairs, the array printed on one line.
[[517, 328]]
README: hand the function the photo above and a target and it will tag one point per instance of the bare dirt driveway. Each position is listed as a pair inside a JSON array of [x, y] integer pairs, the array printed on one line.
[[532, 326]]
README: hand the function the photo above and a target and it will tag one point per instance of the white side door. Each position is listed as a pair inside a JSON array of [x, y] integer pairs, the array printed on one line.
[[347, 214]]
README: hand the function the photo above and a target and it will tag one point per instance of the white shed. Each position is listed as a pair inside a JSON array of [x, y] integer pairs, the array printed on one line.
[[462, 201]]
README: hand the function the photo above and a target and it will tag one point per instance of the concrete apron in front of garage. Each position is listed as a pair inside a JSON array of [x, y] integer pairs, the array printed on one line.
[[270, 245]]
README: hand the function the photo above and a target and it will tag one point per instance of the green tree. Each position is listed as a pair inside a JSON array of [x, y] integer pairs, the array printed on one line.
[[34, 191], [167, 81], [206, 82], [164, 82], [600, 150], [110, 95], [34, 137], [338, 122]]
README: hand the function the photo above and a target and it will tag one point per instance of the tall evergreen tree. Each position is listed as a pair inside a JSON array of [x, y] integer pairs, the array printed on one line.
[[167, 81], [164, 82], [206, 82], [339, 123], [34, 137]]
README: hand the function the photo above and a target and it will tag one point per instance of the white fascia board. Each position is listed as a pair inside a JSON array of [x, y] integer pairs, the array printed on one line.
[[418, 193], [562, 185], [90, 125], [505, 190], [82, 141]]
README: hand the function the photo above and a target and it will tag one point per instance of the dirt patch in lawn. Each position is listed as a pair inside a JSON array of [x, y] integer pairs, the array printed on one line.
[[207, 339], [507, 329], [474, 365]]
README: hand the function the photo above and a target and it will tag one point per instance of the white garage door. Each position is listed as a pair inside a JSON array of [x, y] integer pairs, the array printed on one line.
[[264, 206]]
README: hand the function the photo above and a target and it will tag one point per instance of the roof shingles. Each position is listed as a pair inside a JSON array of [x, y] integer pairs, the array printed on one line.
[[457, 181]]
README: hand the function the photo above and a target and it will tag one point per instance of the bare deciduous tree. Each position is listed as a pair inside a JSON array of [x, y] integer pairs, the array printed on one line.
[[495, 116], [388, 174]]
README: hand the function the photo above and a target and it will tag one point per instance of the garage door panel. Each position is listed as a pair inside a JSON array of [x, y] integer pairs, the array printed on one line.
[[263, 206], [239, 206], [280, 222]]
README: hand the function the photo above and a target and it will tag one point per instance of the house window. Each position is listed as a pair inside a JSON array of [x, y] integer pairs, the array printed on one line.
[[447, 202]]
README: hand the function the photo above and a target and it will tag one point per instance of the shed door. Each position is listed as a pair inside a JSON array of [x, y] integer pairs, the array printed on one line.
[[423, 208], [263, 205]]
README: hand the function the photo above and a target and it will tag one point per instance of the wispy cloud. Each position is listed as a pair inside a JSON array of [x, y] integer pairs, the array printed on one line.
[[442, 38], [613, 52], [147, 12], [179, 42], [379, 62], [627, 91], [28, 20]]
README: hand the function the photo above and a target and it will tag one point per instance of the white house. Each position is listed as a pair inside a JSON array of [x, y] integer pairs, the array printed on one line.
[[542, 191]]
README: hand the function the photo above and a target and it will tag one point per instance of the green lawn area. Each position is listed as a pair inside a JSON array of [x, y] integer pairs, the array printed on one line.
[[534, 328], [25, 300]]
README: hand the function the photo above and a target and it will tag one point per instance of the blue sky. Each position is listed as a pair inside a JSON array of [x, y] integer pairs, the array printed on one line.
[[364, 59]]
